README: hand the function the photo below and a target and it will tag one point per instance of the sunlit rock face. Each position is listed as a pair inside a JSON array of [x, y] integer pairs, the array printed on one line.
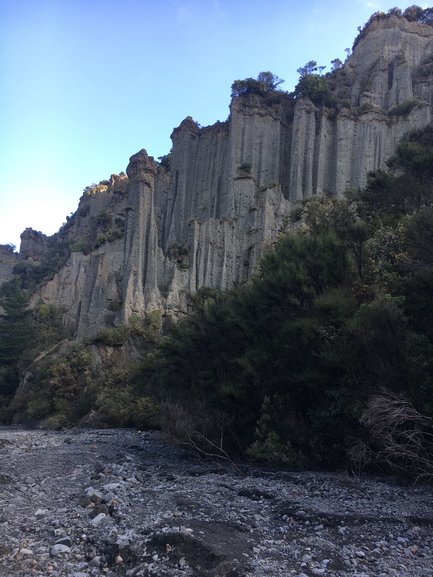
[[204, 217], [33, 245]]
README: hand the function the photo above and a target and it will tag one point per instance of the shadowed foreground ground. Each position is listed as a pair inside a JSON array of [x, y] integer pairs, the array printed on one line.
[[125, 503]]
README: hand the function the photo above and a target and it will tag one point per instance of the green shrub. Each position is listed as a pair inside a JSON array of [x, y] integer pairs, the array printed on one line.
[[404, 108], [121, 407], [265, 84], [56, 422], [245, 168], [113, 336], [271, 449], [316, 88], [77, 246], [152, 325]]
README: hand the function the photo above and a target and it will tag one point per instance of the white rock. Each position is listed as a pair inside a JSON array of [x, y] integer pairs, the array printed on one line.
[[96, 520], [59, 549], [111, 487]]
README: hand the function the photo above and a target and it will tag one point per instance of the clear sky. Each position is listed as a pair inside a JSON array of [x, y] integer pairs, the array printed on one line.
[[84, 84]]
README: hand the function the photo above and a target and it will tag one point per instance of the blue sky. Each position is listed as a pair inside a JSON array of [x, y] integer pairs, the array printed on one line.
[[84, 84]]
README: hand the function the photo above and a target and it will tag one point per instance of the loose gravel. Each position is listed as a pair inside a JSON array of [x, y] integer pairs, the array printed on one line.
[[126, 503]]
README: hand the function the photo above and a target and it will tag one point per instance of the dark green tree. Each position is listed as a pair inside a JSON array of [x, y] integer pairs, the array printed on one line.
[[313, 85], [15, 322], [15, 336], [265, 83]]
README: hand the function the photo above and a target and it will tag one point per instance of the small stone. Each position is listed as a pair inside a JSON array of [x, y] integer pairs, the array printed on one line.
[[95, 562], [107, 497], [381, 543], [64, 541], [360, 554], [182, 562], [122, 543], [96, 520], [59, 549], [41, 512], [118, 560], [318, 571], [413, 531], [109, 487], [93, 495]]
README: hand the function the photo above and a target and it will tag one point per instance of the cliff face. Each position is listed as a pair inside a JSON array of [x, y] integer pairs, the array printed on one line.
[[8, 259], [150, 238]]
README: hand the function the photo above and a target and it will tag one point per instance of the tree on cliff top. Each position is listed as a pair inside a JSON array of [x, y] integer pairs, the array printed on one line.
[[265, 83], [313, 85]]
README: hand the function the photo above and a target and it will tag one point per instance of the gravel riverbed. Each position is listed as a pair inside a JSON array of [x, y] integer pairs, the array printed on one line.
[[126, 503]]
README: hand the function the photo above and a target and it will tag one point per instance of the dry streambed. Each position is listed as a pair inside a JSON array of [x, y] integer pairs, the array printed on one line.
[[125, 503]]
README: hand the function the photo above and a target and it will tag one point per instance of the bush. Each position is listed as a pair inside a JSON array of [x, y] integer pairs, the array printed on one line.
[[245, 167], [404, 108], [399, 438], [265, 84], [56, 422], [113, 336], [121, 407], [316, 88]]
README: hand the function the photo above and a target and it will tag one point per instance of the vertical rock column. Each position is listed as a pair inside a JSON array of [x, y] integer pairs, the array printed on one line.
[[140, 282]]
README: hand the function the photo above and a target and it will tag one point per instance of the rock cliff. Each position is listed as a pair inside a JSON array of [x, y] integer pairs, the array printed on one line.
[[204, 216], [8, 260]]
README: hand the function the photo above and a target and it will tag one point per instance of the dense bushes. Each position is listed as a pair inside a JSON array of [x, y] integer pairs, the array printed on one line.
[[70, 386], [286, 368]]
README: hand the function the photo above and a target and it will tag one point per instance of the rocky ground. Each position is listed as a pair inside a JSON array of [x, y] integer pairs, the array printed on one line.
[[125, 503]]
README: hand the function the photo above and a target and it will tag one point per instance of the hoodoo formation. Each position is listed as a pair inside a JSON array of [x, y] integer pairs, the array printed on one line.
[[203, 216]]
